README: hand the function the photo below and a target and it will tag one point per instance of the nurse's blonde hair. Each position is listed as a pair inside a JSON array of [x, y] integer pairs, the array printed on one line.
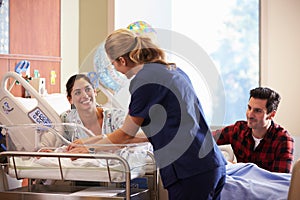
[[139, 49]]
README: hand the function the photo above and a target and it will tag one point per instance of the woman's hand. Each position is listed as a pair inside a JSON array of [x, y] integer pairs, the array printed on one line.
[[79, 149], [44, 150], [75, 144]]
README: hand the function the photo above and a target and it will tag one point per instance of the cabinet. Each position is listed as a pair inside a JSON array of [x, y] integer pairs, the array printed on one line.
[[34, 35]]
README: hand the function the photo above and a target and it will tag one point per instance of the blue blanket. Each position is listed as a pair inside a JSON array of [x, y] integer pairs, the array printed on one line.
[[249, 182]]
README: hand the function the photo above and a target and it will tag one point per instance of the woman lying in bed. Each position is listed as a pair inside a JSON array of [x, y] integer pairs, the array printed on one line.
[[100, 121], [86, 113], [81, 94]]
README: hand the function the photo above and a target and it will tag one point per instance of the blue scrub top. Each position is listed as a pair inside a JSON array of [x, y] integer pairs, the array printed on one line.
[[174, 122]]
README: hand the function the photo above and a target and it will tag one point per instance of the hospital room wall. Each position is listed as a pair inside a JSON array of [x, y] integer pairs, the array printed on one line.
[[280, 44], [280, 63], [69, 40], [84, 24]]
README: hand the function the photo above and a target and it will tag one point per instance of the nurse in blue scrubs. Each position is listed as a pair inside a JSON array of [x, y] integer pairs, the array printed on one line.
[[164, 104]]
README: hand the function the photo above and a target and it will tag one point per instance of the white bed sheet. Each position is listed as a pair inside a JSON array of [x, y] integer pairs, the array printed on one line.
[[85, 169], [35, 170]]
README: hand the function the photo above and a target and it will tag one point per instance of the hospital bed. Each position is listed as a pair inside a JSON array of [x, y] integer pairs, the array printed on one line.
[[248, 181], [23, 110], [31, 131], [113, 164]]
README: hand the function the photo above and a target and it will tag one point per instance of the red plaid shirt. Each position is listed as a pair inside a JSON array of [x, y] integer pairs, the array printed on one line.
[[274, 152]]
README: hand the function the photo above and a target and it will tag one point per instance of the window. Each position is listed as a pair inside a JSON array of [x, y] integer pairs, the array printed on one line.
[[224, 34], [4, 31]]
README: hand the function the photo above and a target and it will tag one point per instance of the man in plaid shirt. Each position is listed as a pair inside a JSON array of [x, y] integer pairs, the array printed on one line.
[[260, 140]]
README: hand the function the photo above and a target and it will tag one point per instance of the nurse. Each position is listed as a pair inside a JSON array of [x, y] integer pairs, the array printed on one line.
[[164, 104]]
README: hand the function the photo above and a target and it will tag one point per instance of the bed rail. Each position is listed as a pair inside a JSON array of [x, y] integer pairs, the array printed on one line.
[[14, 112], [6, 95], [154, 195], [107, 156]]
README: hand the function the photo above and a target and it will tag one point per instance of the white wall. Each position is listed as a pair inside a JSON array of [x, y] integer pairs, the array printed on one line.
[[69, 40], [280, 57], [84, 24], [280, 61]]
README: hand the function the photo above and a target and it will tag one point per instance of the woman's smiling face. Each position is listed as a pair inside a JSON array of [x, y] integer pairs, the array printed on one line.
[[83, 94]]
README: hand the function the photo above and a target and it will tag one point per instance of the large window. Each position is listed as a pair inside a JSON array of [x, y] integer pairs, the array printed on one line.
[[218, 47]]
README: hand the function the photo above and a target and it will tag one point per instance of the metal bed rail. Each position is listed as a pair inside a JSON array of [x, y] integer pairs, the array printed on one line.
[[105, 156], [154, 194]]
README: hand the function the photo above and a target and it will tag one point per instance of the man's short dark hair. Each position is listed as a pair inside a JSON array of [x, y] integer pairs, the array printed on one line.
[[273, 98]]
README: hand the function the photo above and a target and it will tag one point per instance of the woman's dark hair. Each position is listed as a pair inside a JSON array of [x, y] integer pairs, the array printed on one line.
[[272, 97], [71, 81]]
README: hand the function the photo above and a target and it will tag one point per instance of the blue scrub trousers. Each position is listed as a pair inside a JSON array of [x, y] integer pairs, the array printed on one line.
[[204, 186]]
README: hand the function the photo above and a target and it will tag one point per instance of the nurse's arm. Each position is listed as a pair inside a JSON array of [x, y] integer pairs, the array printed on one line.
[[128, 132], [124, 135]]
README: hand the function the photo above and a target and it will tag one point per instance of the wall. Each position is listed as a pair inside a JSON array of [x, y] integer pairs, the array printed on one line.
[[93, 13], [84, 24], [69, 40], [280, 57], [31, 39]]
